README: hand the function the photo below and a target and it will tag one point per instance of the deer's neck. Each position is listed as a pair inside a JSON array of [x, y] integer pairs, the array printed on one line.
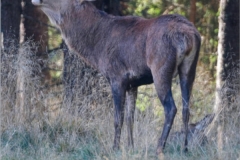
[[83, 35]]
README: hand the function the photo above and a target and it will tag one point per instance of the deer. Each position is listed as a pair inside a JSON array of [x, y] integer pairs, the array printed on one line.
[[131, 51]]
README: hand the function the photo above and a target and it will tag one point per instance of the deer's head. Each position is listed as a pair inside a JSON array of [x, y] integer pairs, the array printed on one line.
[[54, 9]]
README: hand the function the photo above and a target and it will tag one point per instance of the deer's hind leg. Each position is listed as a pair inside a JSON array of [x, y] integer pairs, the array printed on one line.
[[187, 72], [162, 77]]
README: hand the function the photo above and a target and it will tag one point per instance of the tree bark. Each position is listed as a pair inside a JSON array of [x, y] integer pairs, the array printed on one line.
[[10, 21], [109, 6], [193, 12], [35, 43], [227, 83], [10, 27], [35, 25], [114, 7]]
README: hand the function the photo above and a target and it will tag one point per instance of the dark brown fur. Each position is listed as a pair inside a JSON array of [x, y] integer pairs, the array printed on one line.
[[132, 51]]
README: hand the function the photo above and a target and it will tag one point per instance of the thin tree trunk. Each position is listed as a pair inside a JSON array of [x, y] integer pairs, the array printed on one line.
[[10, 27], [10, 21], [35, 24], [100, 4], [20, 110], [114, 7], [227, 83], [109, 6], [193, 12], [34, 29]]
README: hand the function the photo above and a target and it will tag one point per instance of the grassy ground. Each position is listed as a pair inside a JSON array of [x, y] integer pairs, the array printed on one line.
[[38, 126]]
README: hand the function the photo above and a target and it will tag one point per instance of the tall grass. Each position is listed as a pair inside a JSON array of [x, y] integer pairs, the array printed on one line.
[[39, 121]]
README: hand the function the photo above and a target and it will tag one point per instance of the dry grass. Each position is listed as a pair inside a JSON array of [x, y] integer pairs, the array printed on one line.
[[39, 122]]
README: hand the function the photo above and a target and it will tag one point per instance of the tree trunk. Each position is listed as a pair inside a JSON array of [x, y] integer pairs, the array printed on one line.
[[35, 25], [227, 83], [10, 21], [109, 6], [100, 4], [10, 27], [114, 7], [193, 12], [35, 30]]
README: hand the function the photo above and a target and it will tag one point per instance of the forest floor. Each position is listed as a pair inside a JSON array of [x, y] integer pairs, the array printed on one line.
[[43, 124]]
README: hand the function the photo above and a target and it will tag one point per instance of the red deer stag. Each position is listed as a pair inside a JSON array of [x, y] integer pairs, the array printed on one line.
[[131, 51]]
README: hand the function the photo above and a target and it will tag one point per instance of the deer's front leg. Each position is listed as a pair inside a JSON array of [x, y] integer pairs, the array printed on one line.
[[131, 102], [118, 93]]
